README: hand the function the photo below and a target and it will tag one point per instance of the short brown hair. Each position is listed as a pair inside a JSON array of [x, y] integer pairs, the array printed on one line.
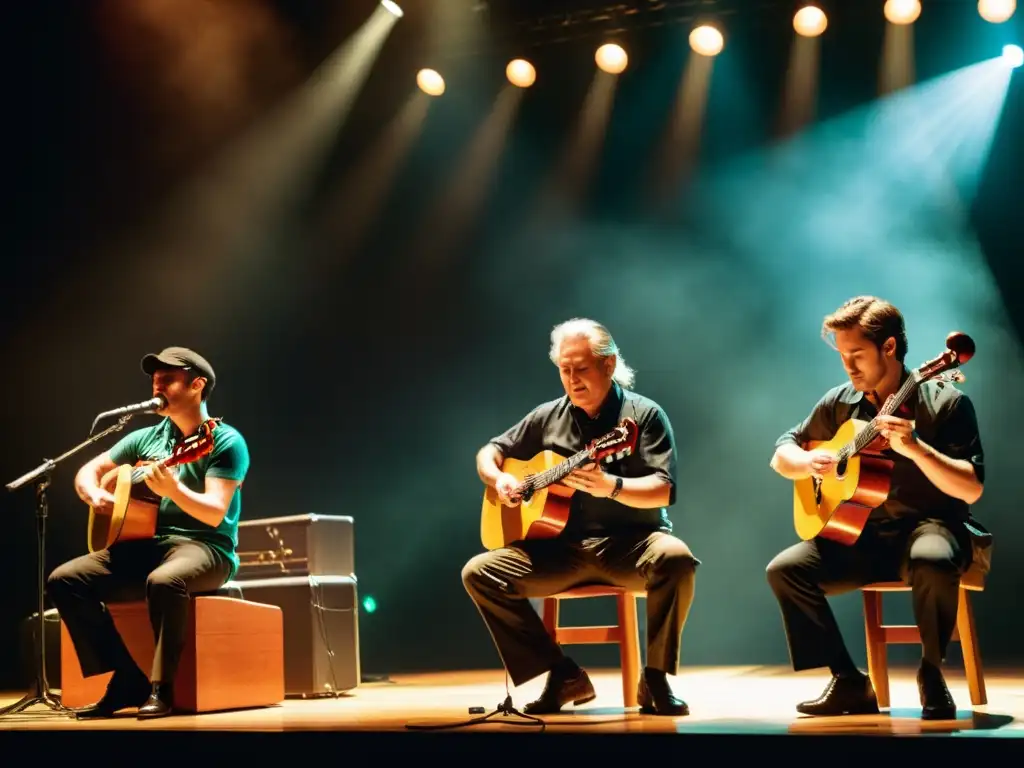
[[877, 318]]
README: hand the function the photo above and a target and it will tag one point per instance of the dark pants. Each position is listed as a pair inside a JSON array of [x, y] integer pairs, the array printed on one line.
[[929, 555], [502, 581], [163, 572]]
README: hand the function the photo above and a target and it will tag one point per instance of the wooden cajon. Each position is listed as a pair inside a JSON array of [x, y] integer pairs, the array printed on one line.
[[233, 656]]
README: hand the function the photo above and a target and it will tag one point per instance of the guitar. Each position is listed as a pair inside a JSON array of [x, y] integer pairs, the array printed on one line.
[[135, 508], [543, 509], [837, 506]]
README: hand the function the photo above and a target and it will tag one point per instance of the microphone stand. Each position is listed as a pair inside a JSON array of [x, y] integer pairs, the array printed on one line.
[[39, 692]]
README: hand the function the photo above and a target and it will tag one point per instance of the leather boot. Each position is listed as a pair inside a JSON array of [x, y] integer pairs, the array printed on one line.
[[159, 703], [655, 696], [125, 689], [844, 695], [566, 683], [936, 701]]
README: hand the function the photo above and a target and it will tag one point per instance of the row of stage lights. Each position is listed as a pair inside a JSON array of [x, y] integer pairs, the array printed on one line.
[[707, 40]]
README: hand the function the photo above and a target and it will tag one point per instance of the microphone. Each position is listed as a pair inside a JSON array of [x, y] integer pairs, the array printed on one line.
[[147, 406]]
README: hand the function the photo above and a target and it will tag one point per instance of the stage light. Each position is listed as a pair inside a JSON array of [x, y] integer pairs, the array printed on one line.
[[611, 58], [902, 11], [369, 604], [996, 11], [430, 82], [521, 73], [393, 7], [1013, 55], [706, 40], [810, 21]]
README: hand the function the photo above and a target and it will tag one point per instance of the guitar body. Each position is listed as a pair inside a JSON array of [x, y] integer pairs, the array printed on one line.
[[133, 515], [837, 506], [543, 516]]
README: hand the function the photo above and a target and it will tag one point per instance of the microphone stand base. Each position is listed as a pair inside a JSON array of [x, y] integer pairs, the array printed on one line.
[[40, 477], [47, 698], [39, 692]]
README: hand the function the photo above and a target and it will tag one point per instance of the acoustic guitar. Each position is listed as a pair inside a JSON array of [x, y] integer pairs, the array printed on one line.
[[543, 508], [837, 505], [134, 512]]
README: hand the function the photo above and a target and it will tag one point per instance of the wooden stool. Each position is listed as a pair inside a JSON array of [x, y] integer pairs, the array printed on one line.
[[626, 632], [233, 656], [880, 635]]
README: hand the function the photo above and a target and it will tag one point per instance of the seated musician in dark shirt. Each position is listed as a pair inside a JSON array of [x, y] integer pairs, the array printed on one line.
[[920, 534], [618, 531]]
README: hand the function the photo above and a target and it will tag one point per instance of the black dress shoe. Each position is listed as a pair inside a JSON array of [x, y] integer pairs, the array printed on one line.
[[936, 701], [655, 695], [846, 695], [124, 690], [562, 687], [159, 703]]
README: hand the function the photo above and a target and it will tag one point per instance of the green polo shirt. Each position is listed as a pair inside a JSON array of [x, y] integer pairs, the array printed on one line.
[[229, 459]]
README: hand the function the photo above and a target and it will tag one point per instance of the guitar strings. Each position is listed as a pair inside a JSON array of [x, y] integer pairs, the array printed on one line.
[[204, 431], [870, 432], [556, 473]]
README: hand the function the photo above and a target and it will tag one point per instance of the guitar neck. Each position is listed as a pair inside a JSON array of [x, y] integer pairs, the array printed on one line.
[[192, 449], [870, 432], [560, 470], [139, 473]]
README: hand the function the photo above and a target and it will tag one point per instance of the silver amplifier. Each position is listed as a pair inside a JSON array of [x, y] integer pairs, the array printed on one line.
[[298, 545]]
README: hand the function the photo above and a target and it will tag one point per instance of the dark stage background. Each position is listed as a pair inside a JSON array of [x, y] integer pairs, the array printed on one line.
[[366, 366]]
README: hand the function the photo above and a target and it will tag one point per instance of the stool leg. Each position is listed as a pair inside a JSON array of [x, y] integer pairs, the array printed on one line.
[[969, 647], [629, 648], [550, 617], [878, 662]]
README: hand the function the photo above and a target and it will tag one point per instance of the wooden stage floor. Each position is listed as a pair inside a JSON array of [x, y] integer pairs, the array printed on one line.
[[731, 708]]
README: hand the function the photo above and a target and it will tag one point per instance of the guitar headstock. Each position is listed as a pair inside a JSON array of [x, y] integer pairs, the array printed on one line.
[[617, 444], [195, 446], [959, 349]]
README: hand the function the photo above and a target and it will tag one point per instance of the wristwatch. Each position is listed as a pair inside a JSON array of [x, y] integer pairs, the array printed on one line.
[[618, 487]]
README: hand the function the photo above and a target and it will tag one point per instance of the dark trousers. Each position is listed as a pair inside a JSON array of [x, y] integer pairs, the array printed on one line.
[[163, 572], [501, 582], [929, 555]]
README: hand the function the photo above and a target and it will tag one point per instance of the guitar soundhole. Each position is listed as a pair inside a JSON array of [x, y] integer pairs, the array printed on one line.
[[527, 489], [841, 468], [142, 493]]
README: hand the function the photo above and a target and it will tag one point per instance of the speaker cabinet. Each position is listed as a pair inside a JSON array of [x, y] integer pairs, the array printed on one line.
[[321, 630]]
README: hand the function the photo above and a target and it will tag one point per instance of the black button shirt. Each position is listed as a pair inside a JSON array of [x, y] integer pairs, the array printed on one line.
[[945, 420], [560, 426]]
